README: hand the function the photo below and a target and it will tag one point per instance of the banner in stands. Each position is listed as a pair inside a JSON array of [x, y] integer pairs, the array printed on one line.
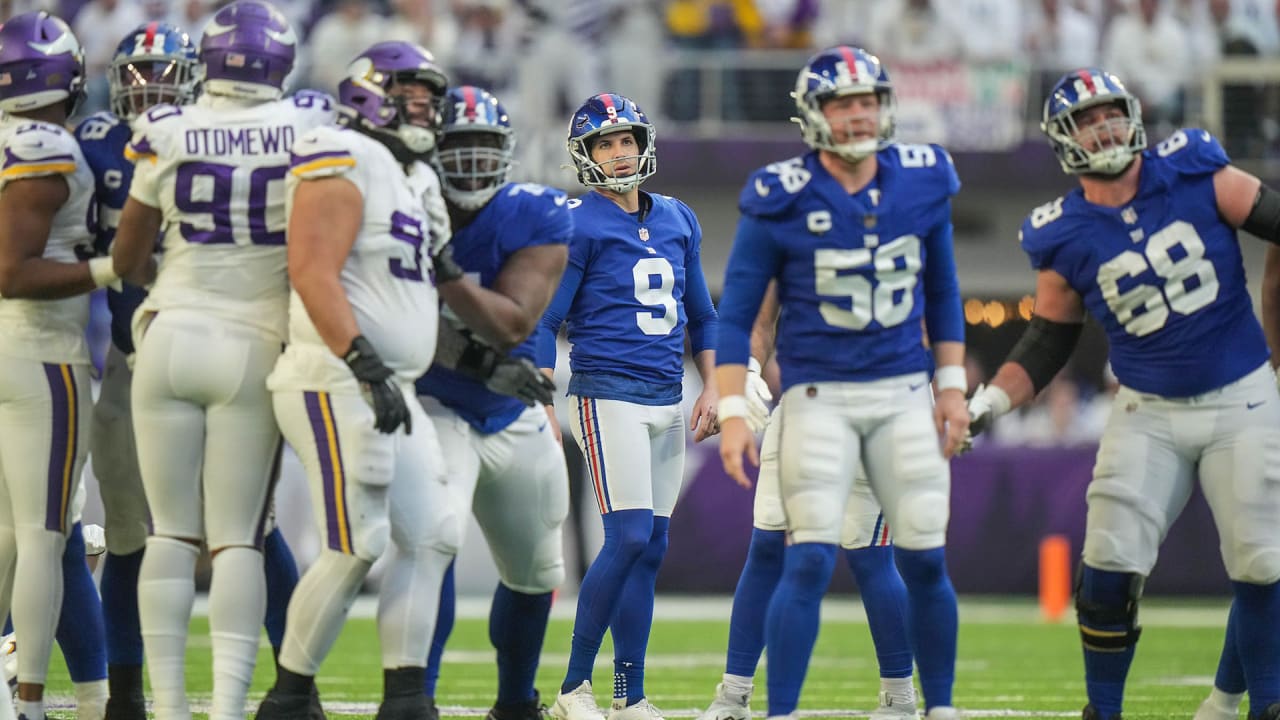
[[966, 107]]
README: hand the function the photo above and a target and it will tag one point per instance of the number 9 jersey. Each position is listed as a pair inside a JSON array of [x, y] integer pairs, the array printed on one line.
[[1162, 273], [216, 171]]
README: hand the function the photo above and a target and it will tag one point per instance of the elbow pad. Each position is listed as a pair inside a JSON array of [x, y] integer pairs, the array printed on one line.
[[1264, 218], [1045, 348]]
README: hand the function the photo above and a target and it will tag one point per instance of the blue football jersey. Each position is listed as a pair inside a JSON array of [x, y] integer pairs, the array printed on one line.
[[102, 138], [1163, 273], [857, 273], [518, 216], [633, 283]]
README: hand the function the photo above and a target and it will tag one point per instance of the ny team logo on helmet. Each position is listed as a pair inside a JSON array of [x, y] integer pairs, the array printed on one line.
[[832, 73], [602, 115], [476, 148], [154, 64], [1113, 143], [41, 63], [247, 51], [367, 102]]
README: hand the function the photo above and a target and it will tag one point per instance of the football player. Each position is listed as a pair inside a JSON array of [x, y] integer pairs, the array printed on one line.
[[857, 234], [154, 64], [631, 292], [206, 336], [45, 196], [1147, 245], [502, 457]]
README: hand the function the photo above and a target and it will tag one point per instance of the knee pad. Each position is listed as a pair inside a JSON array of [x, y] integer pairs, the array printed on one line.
[[1108, 617], [1257, 566], [922, 518]]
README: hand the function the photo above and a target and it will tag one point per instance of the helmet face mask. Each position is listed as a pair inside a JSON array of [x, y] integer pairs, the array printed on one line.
[[836, 73], [476, 148], [154, 64], [247, 51], [1093, 123], [605, 115], [41, 63], [394, 92]]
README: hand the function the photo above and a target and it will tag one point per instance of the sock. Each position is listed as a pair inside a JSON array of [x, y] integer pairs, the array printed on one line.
[[408, 601], [626, 536], [1230, 676], [319, 609], [91, 699], [759, 577], [933, 621], [237, 601], [1257, 609], [792, 625], [1105, 671], [884, 598], [289, 682], [633, 620], [444, 626], [899, 689], [737, 684], [119, 588], [30, 709], [125, 681], [282, 576], [80, 633], [402, 681], [517, 627], [166, 592], [37, 599]]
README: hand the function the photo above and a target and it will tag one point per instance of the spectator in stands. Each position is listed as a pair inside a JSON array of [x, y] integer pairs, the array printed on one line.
[[914, 31], [700, 25], [337, 38], [990, 30], [191, 15], [1062, 37], [484, 42], [1147, 46], [99, 26]]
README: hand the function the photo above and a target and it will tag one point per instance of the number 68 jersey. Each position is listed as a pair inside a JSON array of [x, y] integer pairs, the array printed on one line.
[[1162, 273]]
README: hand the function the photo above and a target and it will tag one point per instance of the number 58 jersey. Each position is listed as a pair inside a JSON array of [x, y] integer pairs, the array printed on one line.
[[1162, 273], [216, 171]]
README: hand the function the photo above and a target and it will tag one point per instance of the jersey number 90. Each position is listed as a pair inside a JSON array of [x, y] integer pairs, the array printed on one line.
[[220, 195]]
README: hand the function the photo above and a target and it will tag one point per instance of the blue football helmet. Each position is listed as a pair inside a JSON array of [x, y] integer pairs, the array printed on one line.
[[247, 51], [154, 64], [1114, 142], [601, 115], [838, 71], [475, 152], [41, 63]]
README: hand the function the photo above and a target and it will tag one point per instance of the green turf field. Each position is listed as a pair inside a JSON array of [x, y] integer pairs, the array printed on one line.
[[1010, 664]]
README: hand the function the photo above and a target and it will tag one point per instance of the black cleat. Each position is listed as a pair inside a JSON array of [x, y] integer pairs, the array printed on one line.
[[287, 706], [1091, 713], [407, 707], [315, 711], [527, 710], [128, 707], [1271, 713]]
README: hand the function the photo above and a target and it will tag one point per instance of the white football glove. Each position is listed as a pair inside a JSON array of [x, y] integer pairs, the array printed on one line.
[[758, 397], [988, 403], [95, 539]]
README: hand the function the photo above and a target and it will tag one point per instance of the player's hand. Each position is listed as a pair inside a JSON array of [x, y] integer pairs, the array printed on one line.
[[952, 420], [95, 539], [987, 403], [703, 422], [444, 267], [521, 379], [380, 388], [758, 397], [735, 439], [554, 423]]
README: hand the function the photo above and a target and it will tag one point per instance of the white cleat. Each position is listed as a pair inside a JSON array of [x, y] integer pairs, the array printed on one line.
[[577, 704], [942, 712], [1210, 710], [896, 706], [728, 705], [641, 710]]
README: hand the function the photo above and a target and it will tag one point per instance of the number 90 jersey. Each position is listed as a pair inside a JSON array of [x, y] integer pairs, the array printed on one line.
[[386, 276], [216, 171], [1162, 273]]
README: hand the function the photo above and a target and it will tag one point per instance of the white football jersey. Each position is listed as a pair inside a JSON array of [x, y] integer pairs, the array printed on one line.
[[387, 276], [216, 169], [49, 331]]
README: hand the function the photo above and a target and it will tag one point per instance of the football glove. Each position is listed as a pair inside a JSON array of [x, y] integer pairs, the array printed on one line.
[[521, 379], [379, 385], [758, 397], [988, 403], [445, 268]]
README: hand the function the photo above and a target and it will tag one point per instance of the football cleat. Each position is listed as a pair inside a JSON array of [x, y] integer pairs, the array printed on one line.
[[894, 706], [528, 710], [728, 705], [407, 707], [1271, 713], [942, 712], [129, 707], [577, 704], [1091, 713], [1210, 710], [641, 710], [284, 706]]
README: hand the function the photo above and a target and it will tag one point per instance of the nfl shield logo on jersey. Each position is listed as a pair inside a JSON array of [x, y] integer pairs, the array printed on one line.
[[644, 234]]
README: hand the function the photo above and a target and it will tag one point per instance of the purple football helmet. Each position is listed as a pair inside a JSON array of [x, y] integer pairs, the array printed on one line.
[[369, 105], [41, 63], [605, 114], [247, 51]]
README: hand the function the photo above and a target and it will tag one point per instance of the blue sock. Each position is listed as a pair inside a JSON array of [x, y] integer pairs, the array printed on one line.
[[792, 625], [933, 621], [80, 633], [760, 575], [1230, 677], [633, 619], [517, 627], [119, 588], [626, 536], [282, 577], [1106, 668], [884, 597], [444, 626], [1257, 607]]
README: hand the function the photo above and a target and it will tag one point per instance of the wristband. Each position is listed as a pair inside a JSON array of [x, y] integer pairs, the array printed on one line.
[[997, 399], [951, 377], [732, 406], [102, 272], [753, 365]]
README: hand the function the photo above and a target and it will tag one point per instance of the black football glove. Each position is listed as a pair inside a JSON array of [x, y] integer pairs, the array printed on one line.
[[379, 385], [521, 379], [445, 268]]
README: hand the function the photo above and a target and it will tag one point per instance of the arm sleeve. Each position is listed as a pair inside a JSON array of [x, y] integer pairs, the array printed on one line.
[[549, 326], [943, 314], [755, 259], [697, 298]]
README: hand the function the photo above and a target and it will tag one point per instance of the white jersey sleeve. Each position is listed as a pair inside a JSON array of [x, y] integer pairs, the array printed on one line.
[[49, 331]]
